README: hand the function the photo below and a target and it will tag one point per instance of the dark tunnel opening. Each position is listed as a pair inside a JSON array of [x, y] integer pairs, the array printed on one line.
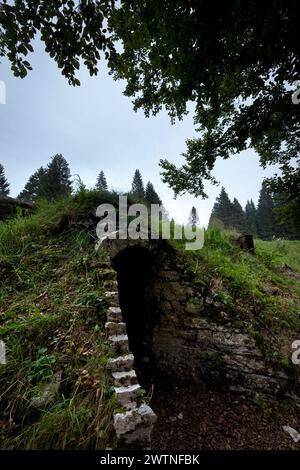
[[135, 269]]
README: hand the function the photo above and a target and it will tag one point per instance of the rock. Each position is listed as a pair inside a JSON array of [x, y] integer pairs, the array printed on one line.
[[114, 245], [113, 328], [113, 298], [294, 397], [114, 314], [168, 275], [107, 274], [293, 433], [124, 379], [9, 207], [2, 353], [127, 396], [196, 348], [122, 363], [135, 425], [119, 343], [194, 308], [110, 286], [245, 242], [48, 392]]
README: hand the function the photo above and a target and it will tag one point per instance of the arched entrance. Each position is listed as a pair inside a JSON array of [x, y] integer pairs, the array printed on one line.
[[135, 269]]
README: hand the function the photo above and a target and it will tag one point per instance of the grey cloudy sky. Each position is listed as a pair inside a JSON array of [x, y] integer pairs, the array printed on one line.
[[95, 128]]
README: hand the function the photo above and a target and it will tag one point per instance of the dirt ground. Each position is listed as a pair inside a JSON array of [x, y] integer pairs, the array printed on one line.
[[195, 417]]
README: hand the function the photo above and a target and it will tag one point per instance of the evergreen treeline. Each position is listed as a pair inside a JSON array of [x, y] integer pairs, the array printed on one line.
[[54, 182], [4, 185], [265, 221], [271, 218]]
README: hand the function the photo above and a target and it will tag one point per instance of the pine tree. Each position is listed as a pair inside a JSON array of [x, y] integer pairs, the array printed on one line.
[[151, 195], [238, 218], [33, 187], [57, 180], [250, 213], [222, 211], [101, 184], [287, 225], [193, 217], [50, 183], [266, 222], [4, 185], [137, 188]]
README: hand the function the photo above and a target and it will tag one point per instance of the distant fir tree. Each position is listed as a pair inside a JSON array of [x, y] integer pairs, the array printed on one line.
[[57, 180], [49, 183], [4, 185], [193, 217], [287, 225], [137, 188], [238, 218], [250, 214], [101, 184], [33, 187], [222, 211], [151, 195], [265, 217]]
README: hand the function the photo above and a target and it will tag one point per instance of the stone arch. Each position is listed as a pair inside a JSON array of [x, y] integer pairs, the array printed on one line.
[[186, 334], [135, 271], [138, 264]]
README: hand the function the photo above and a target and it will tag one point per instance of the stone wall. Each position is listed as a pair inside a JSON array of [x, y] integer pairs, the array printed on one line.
[[10, 206], [190, 338]]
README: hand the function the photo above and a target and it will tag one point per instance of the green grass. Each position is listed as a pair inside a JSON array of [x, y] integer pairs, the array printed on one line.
[[284, 252], [52, 315], [257, 293]]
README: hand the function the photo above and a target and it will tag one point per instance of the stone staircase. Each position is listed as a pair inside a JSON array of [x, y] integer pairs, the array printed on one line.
[[134, 426]]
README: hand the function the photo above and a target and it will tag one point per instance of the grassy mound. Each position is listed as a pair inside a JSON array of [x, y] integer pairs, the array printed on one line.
[[52, 315], [258, 293], [52, 311]]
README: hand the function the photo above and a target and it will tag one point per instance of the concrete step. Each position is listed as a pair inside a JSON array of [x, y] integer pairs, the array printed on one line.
[[125, 379], [114, 314], [119, 343], [111, 286], [135, 424], [121, 363], [108, 274], [113, 298], [127, 396], [113, 328]]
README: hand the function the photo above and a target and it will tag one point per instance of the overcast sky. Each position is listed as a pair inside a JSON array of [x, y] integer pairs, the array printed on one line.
[[95, 128]]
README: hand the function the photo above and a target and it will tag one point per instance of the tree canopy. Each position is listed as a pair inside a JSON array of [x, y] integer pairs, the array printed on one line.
[[33, 189], [4, 185], [222, 210], [52, 182], [137, 187], [265, 221], [235, 61], [250, 214], [265, 216], [193, 217], [151, 195], [71, 31], [101, 184]]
